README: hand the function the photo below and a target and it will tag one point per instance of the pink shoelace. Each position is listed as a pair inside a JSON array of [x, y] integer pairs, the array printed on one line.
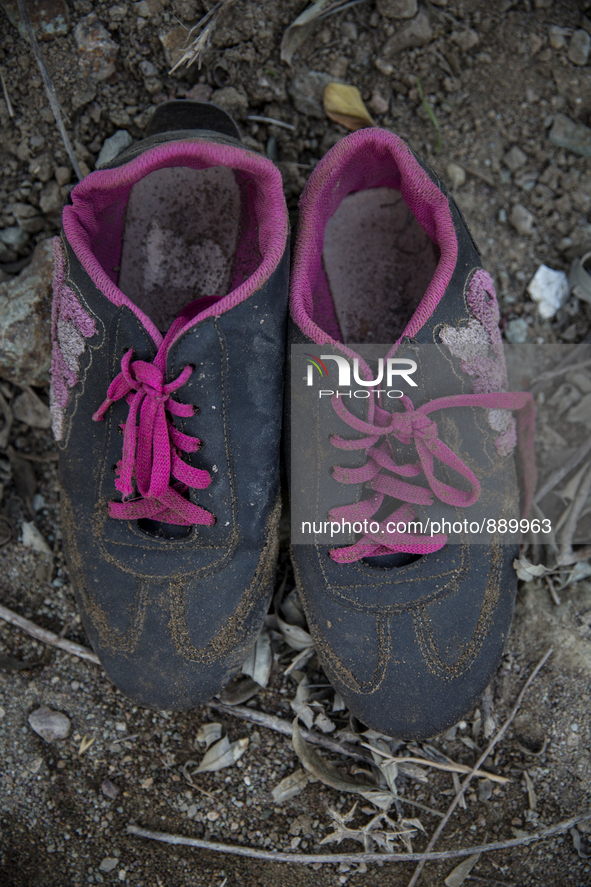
[[151, 448], [383, 475]]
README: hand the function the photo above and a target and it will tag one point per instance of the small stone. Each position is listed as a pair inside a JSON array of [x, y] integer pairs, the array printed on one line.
[[173, 43], [397, 8], [49, 724], [63, 175], [30, 409], [516, 331], [109, 789], [213, 815], [108, 864], [192, 811], [231, 100], [378, 104], [49, 18], [96, 51], [307, 92], [201, 92], [41, 168], [521, 219], [349, 30], [466, 39], [456, 175], [14, 236], [550, 289], [84, 96], [573, 136], [32, 538], [557, 37], [51, 201], [416, 31], [113, 146], [25, 320], [580, 44], [147, 69], [515, 158]]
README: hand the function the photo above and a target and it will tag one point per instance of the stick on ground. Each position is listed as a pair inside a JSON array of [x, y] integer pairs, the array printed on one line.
[[47, 637], [335, 858]]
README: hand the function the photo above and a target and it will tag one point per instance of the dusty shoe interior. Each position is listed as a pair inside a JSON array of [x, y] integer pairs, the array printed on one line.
[[377, 263], [184, 239]]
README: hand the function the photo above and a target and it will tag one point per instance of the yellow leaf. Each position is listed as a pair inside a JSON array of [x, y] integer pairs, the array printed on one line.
[[343, 104], [85, 743]]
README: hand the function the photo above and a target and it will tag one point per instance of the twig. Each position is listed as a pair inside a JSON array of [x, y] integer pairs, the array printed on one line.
[[552, 590], [334, 858], [563, 366], [496, 738], [561, 472], [9, 107], [575, 556], [284, 727], [256, 118], [439, 765], [32, 457], [47, 637], [49, 88], [570, 526], [561, 370]]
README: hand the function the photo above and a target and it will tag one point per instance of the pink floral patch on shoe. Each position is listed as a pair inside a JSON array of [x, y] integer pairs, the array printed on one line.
[[70, 325]]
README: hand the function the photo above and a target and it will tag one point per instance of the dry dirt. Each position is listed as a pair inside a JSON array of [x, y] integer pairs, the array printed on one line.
[[58, 826]]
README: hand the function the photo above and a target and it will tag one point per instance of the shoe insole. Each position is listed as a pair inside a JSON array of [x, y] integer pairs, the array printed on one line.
[[180, 238], [378, 263]]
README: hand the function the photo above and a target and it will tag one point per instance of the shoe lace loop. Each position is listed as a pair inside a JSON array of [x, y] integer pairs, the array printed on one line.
[[382, 473], [151, 445]]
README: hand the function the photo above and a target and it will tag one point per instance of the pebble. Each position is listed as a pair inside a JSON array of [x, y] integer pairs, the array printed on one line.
[[147, 69], [550, 289], [49, 724], [96, 51], [109, 789], [14, 236], [49, 19], [63, 175], [416, 31], [578, 50], [108, 864], [515, 158], [456, 175], [466, 39], [378, 104], [397, 8], [32, 539], [557, 37], [25, 320], [573, 136], [231, 100], [30, 409], [307, 92], [51, 201], [521, 219], [113, 146], [41, 168], [516, 331]]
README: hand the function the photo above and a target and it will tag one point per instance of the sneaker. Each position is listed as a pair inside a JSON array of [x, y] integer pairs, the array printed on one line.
[[169, 315], [409, 629]]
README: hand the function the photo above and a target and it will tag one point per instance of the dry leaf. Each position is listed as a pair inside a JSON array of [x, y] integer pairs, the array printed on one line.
[[260, 660], [240, 690], [528, 572], [292, 610], [328, 774], [531, 792], [208, 734], [323, 723], [290, 786], [581, 571], [300, 660], [297, 638], [343, 104], [221, 755], [461, 871], [85, 743], [299, 703]]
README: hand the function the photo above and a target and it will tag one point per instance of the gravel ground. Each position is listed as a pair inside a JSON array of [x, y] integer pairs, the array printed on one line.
[[497, 77]]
